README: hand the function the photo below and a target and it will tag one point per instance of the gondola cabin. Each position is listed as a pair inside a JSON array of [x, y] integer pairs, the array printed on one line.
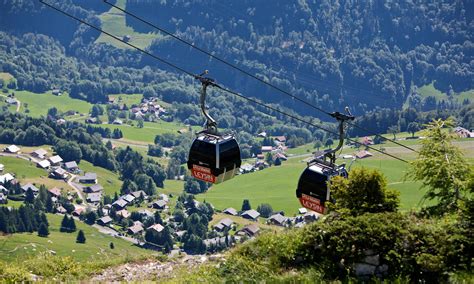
[[214, 158], [313, 185]]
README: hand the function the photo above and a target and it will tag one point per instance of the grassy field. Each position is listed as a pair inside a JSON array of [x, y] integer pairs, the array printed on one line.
[[38, 104], [113, 21], [6, 76], [18, 246], [277, 185], [148, 132], [109, 180], [430, 90], [128, 99]]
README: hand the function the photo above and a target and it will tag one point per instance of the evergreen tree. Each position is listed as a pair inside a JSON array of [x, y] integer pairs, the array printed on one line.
[[246, 205], [29, 196], [265, 210], [43, 230], [111, 245], [81, 238]]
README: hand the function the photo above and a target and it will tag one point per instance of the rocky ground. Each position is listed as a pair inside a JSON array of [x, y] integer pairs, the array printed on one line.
[[151, 270]]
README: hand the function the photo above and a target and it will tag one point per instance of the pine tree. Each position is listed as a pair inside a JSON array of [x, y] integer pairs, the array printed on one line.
[[43, 230], [64, 224], [112, 246], [29, 196], [72, 225], [81, 238], [246, 205]]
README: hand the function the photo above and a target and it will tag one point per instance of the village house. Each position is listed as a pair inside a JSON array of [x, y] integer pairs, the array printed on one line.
[[145, 213], [117, 121], [463, 132], [129, 198], [311, 216], [250, 215], [260, 156], [367, 141], [72, 167], [139, 193], [55, 192], [262, 134], [156, 227], [88, 178], [39, 153], [56, 92], [95, 188], [3, 190], [6, 178], [92, 120], [363, 154], [11, 101], [277, 219], [135, 229], [61, 210], [59, 173], [164, 197], [94, 197], [223, 224], [159, 204], [13, 149], [246, 168], [123, 213], [302, 210], [2, 167], [249, 230], [119, 204], [266, 149], [44, 164], [105, 221], [279, 139], [56, 160], [217, 242], [30, 186], [231, 211], [78, 211]]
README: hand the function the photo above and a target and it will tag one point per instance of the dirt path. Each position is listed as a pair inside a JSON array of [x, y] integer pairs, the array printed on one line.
[[18, 105]]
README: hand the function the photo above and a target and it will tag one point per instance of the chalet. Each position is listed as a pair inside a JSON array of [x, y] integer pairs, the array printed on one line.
[[123, 213], [59, 173], [55, 192], [145, 213], [280, 156], [40, 153], [71, 166], [311, 216], [223, 224], [95, 188], [61, 121], [135, 229], [56, 92], [463, 133], [119, 204], [231, 211], [30, 186], [92, 120], [94, 197], [104, 221], [55, 160], [217, 242], [164, 197], [2, 167], [78, 211], [280, 139], [3, 198], [44, 164], [367, 141], [157, 228], [88, 178], [129, 198], [266, 149], [247, 168], [117, 121], [11, 101], [112, 100], [363, 154], [139, 193], [262, 134], [159, 204], [260, 156], [250, 214], [277, 219], [61, 210], [249, 230], [6, 178], [12, 149], [3, 190]]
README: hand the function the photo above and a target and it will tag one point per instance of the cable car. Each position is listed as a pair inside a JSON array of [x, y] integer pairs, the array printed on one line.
[[313, 189], [213, 157]]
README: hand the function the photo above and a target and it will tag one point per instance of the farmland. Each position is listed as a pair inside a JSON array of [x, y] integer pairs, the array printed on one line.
[[109, 180], [148, 132]]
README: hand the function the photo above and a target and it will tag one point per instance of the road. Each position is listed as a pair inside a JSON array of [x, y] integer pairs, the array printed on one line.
[[78, 190]]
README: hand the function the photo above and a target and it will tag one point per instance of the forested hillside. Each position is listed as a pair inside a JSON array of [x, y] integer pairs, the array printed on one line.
[[333, 53]]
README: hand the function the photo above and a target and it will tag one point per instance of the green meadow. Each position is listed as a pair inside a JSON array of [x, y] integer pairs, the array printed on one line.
[[148, 132], [113, 21], [109, 180], [96, 249], [430, 90]]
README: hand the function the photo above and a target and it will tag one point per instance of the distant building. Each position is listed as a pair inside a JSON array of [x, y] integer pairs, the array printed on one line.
[[30, 186], [363, 154], [2, 167], [56, 92], [120, 204], [59, 173], [117, 121], [94, 188], [123, 213], [223, 224], [249, 230], [262, 134], [71, 166], [12, 149], [55, 160], [6, 178], [40, 153], [277, 219], [3, 198], [129, 198], [44, 164], [139, 193], [135, 229], [159, 204], [88, 178], [231, 211], [104, 221], [94, 197], [157, 228], [281, 139], [266, 149], [55, 192], [250, 214], [367, 141]]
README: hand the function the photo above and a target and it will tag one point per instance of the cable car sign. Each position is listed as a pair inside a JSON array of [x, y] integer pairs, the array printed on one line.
[[203, 173], [312, 203]]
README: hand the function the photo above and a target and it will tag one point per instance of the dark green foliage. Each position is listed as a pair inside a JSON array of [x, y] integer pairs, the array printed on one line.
[[112, 246], [43, 230], [155, 150], [68, 150], [246, 205], [90, 217], [81, 238], [265, 210], [68, 225], [365, 191], [24, 219]]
